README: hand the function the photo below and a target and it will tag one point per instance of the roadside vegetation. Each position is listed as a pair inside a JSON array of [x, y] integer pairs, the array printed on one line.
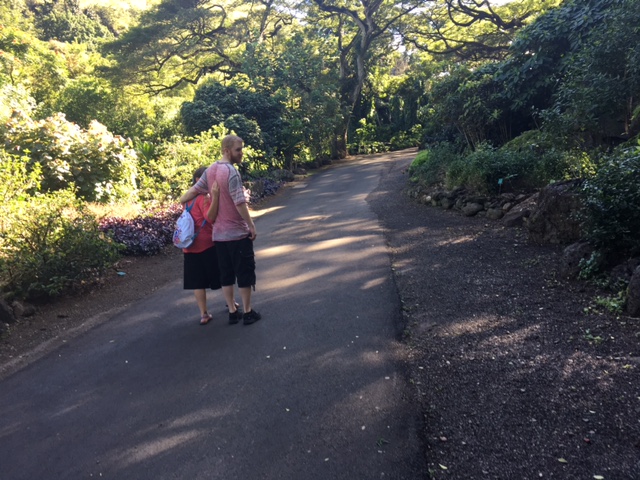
[[106, 109]]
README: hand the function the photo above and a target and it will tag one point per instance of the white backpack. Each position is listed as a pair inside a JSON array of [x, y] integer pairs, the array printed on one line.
[[184, 233]]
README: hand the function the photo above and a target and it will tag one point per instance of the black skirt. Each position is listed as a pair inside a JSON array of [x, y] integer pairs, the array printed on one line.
[[201, 270]]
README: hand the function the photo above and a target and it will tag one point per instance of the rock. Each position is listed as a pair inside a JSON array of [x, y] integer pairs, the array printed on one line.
[[471, 209], [22, 309], [283, 175], [519, 212], [555, 218], [622, 273], [495, 213], [507, 206], [447, 203], [633, 294], [571, 258], [6, 313]]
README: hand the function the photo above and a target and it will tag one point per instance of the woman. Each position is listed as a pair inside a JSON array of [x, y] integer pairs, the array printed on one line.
[[200, 258]]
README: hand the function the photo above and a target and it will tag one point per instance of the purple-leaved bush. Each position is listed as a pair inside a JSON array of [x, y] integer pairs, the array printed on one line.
[[148, 233], [145, 234]]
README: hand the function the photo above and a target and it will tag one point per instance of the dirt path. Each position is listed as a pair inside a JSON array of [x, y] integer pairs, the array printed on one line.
[[517, 376]]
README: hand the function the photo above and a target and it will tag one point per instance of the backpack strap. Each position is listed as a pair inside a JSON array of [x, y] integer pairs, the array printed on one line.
[[204, 221]]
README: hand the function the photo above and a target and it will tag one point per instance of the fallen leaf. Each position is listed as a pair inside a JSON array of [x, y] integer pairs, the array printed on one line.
[[443, 467], [562, 460], [598, 477]]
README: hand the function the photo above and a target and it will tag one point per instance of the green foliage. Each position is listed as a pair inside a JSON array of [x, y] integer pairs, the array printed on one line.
[[259, 115], [430, 166], [16, 179], [49, 244], [102, 166], [612, 201], [467, 105], [168, 174], [482, 170], [521, 165], [596, 100], [247, 129], [404, 139]]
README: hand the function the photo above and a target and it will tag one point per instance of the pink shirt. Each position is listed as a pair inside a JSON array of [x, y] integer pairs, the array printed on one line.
[[229, 224], [199, 213]]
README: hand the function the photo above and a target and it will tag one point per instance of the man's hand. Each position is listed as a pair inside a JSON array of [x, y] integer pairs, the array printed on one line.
[[252, 231]]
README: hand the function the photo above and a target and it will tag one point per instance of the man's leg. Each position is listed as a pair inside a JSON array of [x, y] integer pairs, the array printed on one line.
[[228, 292], [245, 294]]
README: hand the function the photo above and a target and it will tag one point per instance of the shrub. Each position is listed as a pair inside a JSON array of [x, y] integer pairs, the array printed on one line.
[[49, 245], [16, 181], [102, 166], [523, 164], [612, 201], [490, 170], [166, 176], [145, 234], [430, 166]]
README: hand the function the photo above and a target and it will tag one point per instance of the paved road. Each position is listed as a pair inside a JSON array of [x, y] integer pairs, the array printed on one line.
[[315, 390]]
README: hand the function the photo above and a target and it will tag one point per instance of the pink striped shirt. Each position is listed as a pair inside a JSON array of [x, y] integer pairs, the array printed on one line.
[[229, 224]]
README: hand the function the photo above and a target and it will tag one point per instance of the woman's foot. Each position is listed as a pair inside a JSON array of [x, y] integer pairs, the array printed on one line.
[[204, 319]]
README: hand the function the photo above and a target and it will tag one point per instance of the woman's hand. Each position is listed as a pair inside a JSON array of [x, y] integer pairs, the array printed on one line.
[[215, 190]]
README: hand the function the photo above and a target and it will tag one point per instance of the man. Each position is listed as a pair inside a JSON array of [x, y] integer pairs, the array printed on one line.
[[233, 229]]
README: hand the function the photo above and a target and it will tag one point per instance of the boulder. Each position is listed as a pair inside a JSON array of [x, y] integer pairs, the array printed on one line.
[[623, 272], [633, 294], [571, 258], [21, 309], [6, 313], [471, 209], [495, 213], [447, 203], [554, 220]]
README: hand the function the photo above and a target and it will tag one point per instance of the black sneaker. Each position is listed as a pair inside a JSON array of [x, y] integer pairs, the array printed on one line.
[[235, 317], [251, 317]]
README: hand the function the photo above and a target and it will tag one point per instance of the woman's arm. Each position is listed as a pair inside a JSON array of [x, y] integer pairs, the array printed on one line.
[[212, 213]]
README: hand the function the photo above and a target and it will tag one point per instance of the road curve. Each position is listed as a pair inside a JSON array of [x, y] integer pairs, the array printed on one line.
[[315, 390]]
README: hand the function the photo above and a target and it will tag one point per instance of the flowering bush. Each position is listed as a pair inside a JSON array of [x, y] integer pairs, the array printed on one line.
[[102, 166]]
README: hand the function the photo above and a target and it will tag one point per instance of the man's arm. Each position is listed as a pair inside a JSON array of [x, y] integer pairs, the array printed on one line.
[[243, 210], [199, 187], [189, 195]]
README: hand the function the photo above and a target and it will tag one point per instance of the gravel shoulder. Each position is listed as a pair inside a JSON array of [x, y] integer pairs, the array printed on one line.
[[516, 373]]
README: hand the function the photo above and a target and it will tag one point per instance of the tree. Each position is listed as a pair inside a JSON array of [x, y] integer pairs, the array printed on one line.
[[214, 103], [355, 27], [178, 43], [472, 30]]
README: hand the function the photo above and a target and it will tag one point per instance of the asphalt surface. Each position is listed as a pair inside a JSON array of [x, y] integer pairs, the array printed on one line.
[[315, 390]]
